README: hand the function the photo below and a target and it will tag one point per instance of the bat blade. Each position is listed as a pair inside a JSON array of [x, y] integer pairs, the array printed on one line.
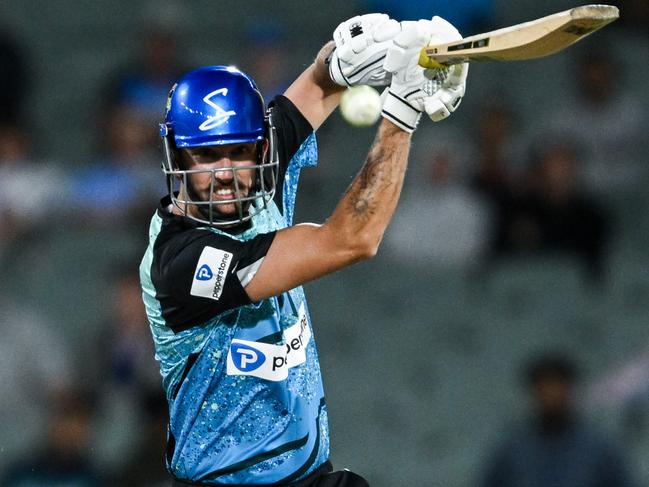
[[528, 40]]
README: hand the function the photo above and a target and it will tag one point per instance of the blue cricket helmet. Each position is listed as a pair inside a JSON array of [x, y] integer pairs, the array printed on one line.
[[217, 105]]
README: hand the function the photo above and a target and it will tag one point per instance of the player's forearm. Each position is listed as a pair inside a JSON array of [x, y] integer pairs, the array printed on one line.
[[305, 252], [321, 69], [313, 92], [363, 214]]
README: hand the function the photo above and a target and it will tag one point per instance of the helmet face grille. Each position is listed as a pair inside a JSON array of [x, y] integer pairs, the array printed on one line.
[[207, 211], [213, 106]]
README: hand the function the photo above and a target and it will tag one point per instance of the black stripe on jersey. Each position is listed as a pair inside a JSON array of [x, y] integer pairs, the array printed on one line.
[[171, 447], [291, 445], [314, 453], [191, 360], [292, 130]]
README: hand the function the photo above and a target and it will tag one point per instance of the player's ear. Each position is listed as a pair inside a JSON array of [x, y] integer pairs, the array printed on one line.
[[180, 160], [262, 150]]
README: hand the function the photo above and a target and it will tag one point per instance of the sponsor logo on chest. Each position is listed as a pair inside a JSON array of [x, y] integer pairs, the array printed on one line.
[[267, 361]]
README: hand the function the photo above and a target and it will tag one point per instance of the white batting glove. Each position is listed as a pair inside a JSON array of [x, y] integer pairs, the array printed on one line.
[[414, 90], [361, 44]]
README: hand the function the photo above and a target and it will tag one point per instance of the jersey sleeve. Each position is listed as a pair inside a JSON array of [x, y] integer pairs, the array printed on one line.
[[292, 131], [206, 276], [292, 128]]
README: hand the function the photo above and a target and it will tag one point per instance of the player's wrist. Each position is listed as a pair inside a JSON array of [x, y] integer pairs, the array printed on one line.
[[335, 70], [399, 111]]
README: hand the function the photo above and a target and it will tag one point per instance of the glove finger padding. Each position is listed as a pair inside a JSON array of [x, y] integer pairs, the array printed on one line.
[[386, 30], [354, 35], [361, 43], [443, 31], [405, 46], [414, 90]]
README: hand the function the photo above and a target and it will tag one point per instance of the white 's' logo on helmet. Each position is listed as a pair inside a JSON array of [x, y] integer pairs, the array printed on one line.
[[221, 116]]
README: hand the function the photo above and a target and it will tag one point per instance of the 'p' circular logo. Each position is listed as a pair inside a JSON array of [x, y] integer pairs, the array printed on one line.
[[204, 273], [246, 358]]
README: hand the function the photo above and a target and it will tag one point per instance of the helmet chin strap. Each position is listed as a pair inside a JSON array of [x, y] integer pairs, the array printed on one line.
[[261, 156]]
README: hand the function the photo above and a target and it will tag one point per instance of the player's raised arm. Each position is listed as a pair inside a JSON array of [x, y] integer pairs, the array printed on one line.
[[354, 230], [354, 57]]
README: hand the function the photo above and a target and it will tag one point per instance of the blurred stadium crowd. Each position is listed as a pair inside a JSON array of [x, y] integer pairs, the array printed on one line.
[[521, 239]]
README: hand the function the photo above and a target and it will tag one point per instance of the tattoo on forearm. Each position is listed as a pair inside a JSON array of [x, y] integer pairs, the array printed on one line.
[[375, 175], [363, 193]]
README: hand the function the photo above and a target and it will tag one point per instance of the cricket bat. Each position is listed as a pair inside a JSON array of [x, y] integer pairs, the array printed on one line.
[[529, 40]]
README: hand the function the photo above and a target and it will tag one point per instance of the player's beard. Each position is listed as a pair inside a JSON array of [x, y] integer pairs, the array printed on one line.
[[217, 206]]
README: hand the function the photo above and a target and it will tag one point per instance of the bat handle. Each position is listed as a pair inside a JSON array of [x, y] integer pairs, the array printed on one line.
[[425, 61]]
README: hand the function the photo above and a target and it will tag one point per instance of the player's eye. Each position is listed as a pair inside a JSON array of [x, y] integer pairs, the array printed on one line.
[[242, 151], [202, 153], [207, 154]]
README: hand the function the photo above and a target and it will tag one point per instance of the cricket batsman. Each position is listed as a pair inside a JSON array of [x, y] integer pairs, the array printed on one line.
[[222, 274]]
